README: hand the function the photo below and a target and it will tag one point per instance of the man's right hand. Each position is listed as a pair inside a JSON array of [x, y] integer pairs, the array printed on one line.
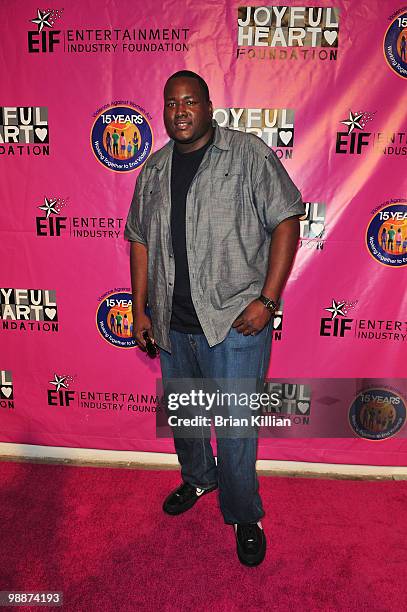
[[141, 323]]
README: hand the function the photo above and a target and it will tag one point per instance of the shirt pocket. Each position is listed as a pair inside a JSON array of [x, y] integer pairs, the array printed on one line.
[[152, 203], [226, 189]]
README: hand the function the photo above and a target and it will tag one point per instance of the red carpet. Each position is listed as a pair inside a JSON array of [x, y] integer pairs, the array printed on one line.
[[100, 536]]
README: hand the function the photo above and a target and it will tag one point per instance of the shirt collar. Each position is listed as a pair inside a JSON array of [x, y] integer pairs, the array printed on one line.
[[219, 140]]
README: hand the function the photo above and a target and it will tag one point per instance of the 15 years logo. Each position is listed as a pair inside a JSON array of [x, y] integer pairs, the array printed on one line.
[[395, 45], [121, 137], [114, 318], [377, 413], [386, 235]]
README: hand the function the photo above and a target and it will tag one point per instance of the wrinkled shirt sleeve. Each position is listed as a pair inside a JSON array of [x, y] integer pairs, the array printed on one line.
[[276, 197], [132, 230]]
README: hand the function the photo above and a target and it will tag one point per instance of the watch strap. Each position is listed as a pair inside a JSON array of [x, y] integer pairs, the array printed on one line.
[[269, 304]]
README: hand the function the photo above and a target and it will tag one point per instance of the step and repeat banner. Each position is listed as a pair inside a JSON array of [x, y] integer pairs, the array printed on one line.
[[324, 85]]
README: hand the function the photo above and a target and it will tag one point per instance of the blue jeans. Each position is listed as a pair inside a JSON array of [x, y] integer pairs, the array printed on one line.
[[237, 356]]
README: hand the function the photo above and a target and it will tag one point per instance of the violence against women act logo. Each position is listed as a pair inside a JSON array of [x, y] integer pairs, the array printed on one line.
[[114, 318], [121, 137], [377, 414], [386, 235], [395, 45]]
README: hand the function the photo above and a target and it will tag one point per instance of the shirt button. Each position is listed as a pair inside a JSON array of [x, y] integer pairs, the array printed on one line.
[[171, 255], [170, 284]]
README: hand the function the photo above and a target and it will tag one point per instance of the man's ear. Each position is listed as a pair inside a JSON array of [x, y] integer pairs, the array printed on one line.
[[210, 108]]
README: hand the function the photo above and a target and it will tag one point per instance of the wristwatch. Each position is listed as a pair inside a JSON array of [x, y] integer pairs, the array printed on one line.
[[269, 304]]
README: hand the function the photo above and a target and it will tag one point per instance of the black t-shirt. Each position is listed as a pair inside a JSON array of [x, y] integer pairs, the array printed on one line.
[[184, 168]]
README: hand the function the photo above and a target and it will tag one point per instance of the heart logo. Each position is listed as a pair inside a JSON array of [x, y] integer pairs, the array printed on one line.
[[276, 322], [41, 133], [50, 312], [330, 36], [303, 407], [7, 391], [285, 137], [316, 229]]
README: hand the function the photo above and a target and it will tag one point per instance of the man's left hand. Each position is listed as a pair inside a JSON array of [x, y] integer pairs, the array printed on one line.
[[253, 318]]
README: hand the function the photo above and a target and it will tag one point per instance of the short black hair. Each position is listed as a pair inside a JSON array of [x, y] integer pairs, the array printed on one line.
[[192, 75]]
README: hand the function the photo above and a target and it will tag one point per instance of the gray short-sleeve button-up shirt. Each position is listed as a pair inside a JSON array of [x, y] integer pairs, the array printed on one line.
[[239, 194]]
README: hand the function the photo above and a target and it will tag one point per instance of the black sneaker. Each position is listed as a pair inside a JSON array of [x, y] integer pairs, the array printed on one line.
[[251, 543], [184, 498]]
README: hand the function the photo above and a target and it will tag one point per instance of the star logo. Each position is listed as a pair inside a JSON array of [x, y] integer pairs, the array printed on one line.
[[336, 309], [49, 207], [353, 121], [59, 381], [42, 20], [358, 120]]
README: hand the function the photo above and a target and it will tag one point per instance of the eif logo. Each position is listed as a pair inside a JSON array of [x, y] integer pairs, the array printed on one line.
[[338, 324], [355, 139], [51, 224], [44, 39], [60, 394]]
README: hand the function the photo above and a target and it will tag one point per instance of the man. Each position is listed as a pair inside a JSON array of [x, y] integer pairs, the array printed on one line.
[[205, 208], [115, 138]]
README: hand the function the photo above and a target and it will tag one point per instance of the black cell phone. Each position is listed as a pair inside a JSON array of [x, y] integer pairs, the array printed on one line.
[[151, 348]]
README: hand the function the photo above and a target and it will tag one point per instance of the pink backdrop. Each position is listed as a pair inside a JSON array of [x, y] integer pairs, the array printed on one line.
[[299, 97]]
